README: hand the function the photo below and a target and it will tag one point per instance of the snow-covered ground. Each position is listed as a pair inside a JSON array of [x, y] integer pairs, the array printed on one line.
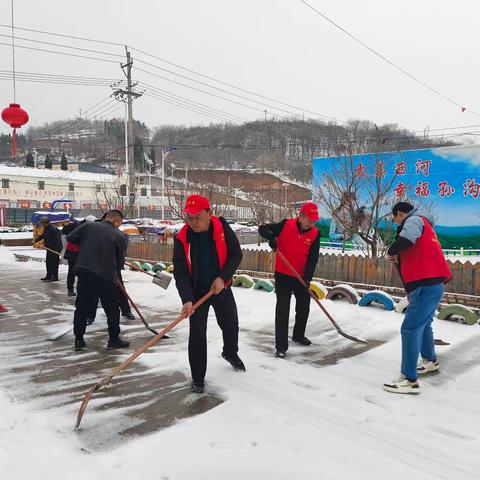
[[319, 414]]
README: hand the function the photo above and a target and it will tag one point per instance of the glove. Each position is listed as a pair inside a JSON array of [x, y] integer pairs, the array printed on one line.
[[273, 243]]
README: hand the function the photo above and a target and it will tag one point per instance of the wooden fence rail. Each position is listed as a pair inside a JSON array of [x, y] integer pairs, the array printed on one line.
[[344, 268]]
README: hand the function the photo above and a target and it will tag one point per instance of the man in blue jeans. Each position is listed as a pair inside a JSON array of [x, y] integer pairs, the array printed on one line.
[[424, 271]]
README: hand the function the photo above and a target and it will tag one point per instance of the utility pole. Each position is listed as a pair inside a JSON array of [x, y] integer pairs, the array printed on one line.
[[131, 165], [128, 95]]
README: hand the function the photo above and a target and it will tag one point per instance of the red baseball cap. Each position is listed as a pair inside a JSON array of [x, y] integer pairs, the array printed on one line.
[[195, 204], [310, 210]]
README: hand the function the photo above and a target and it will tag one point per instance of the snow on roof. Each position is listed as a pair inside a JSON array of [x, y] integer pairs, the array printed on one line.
[[54, 174]]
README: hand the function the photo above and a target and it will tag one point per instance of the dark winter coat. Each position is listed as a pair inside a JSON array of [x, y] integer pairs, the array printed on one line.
[[102, 249], [204, 261], [70, 254], [52, 238]]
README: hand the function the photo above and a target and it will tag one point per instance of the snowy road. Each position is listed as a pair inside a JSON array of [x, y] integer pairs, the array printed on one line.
[[320, 414]]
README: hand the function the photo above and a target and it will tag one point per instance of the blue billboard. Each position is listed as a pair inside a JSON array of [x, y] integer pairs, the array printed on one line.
[[447, 177]]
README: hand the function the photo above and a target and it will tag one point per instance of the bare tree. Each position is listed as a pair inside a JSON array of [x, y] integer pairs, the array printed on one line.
[[111, 193], [360, 200]]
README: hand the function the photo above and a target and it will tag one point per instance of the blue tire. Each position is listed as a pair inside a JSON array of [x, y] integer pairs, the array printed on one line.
[[377, 296]]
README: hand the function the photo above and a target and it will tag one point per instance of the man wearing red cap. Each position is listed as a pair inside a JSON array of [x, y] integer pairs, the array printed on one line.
[[299, 241], [206, 254]]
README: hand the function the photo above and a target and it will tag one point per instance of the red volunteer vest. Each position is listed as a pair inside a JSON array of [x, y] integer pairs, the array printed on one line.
[[218, 237], [425, 258], [72, 247], [295, 246]]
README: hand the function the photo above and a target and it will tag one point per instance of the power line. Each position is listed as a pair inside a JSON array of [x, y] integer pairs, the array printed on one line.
[[385, 59], [183, 76], [52, 81], [64, 36], [184, 99], [102, 81], [62, 46], [243, 97], [37, 74], [62, 53], [231, 85], [200, 90], [192, 109], [83, 121]]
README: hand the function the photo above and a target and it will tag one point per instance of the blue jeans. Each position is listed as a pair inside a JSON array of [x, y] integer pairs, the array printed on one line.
[[417, 334]]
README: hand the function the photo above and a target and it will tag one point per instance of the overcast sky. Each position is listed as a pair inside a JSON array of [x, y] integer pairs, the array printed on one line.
[[278, 48]]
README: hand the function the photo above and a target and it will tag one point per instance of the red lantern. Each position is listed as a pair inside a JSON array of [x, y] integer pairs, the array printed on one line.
[[15, 117]]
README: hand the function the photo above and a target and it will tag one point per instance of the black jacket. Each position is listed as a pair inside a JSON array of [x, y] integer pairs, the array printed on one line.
[[271, 231], [52, 238], [188, 286], [102, 249]]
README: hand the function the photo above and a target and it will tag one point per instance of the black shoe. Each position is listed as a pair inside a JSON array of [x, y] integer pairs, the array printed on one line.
[[198, 387], [235, 362], [117, 343], [54, 279], [80, 344], [302, 341], [129, 316], [45, 279], [90, 321], [71, 293], [280, 354]]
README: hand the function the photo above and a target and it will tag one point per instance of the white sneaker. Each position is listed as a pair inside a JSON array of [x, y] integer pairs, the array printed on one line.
[[426, 366], [402, 385]]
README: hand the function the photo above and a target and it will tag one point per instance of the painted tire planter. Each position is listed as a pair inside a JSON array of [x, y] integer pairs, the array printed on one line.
[[146, 267], [170, 269], [319, 290], [379, 297], [158, 267], [266, 285], [243, 281], [345, 292], [470, 317], [136, 264], [401, 306]]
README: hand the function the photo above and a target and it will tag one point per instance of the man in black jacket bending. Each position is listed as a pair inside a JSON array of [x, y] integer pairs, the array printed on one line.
[[101, 257], [205, 256], [52, 239]]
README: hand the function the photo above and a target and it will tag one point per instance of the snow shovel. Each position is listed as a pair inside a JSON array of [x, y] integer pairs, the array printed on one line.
[[48, 249], [325, 311], [132, 357], [122, 288], [162, 279]]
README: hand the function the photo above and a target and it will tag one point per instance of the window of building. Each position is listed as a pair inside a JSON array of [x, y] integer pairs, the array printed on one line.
[[143, 192], [5, 183], [98, 188], [71, 187], [41, 185]]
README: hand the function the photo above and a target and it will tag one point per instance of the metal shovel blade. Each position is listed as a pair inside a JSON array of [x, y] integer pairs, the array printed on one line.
[[162, 279]]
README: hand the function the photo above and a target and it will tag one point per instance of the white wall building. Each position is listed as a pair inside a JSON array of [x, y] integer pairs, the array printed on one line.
[[22, 187]]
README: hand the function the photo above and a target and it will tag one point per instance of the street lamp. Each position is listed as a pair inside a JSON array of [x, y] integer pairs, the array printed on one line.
[[164, 156]]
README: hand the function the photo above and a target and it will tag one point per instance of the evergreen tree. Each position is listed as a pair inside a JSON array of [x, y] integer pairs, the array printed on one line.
[[48, 162], [138, 157], [63, 162], [29, 160], [151, 156]]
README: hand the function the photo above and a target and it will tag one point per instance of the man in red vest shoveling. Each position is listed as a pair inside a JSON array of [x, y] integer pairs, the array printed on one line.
[[424, 270], [206, 254], [299, 241]]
